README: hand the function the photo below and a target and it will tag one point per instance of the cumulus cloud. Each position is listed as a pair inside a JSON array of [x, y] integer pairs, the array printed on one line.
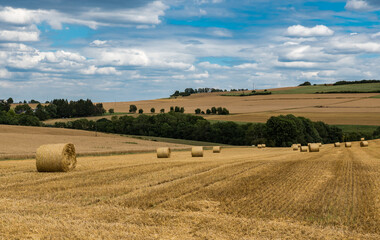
[[301, 31], [121, 57], [91, 70], [98, 43], [93, 17], [18, 36], [358, 5]]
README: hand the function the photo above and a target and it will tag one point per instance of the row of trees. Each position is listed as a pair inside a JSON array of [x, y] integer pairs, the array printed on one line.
[[213, 110], [281, 131], [58, 108]]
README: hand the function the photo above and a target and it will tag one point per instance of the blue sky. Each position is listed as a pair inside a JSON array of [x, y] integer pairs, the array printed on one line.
[[134, 50]]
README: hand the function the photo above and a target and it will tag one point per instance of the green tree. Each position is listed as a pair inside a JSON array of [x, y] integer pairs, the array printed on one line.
[[5, 106], [141, 111], [208, 111], [10, 100], [132, 108], [197, 111], [111, 111], [162, 110], [213, 110], [152, 110], [41, 113]]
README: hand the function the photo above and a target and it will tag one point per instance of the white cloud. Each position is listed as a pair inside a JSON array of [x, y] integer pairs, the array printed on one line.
[[149, 14], [212, 65], [301, 31], [220, 32], [98, 43], [94, 17], [91, 70], [4, 73], [18, 36], [357, 5], [200, 75], [246, 66], [120, 57]]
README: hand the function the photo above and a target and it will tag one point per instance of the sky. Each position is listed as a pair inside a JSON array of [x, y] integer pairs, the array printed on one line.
[[146, 49]]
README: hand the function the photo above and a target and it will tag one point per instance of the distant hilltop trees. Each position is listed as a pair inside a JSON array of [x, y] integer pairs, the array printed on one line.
[[356, 82], [189, 91]]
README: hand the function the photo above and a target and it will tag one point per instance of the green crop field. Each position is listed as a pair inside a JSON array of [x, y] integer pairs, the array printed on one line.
[[364, 87]]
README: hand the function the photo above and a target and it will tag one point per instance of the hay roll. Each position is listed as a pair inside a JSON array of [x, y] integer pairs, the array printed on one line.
[[299, 145], [362, 139], [337, 144], [348, 144], [363, 144], [56, 158], [320, 144], [197, 152], [259, 146], [216, 149], [303, 148], [313, 147], [263, 145], [163, 152], [295, 147]]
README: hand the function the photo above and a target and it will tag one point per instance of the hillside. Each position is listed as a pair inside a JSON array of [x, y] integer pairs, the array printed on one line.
[[343, 109], [278, 194], [22, 142]]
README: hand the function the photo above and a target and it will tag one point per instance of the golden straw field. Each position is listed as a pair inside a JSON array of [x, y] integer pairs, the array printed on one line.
[[22, 142], [346, 109], [240, 193]]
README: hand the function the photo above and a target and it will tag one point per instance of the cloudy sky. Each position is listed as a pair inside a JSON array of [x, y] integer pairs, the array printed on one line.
[[118, 50]]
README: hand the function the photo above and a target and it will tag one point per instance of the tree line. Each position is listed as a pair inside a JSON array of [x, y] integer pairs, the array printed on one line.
[[280, 131], [57, 108]]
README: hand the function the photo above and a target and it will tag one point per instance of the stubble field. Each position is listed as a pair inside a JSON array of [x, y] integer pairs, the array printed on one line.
[[22, 142], [242, 193], [348, 109]]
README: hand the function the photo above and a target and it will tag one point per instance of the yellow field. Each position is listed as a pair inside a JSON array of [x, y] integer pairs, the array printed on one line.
[[21, 142], [349, 109], [242, 193]]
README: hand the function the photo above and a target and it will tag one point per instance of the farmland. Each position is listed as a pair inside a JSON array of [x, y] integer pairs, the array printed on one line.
[[242, 193], [22, 142], [339, 109]]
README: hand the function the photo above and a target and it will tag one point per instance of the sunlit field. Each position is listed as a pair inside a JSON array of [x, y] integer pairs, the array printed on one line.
[[240, 193]]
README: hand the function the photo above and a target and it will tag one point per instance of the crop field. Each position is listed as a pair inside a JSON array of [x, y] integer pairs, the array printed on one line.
[[367, 87], [341, 109], [22, 142], [241, 193]]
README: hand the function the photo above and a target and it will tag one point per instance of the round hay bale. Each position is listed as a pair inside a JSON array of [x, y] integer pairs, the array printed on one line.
[[348, 144], [362, 139], [263, 145], [337, 144], [216, 149], [259, 146], [295, 147], [303, 148], [197, 152], [163, 152], [56, 158], [313, 147], [299, 145], [363, 144], [320, 144]]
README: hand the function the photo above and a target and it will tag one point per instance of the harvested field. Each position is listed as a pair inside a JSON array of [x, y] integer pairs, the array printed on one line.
[[22, 142], [242, 193], [348, 109]]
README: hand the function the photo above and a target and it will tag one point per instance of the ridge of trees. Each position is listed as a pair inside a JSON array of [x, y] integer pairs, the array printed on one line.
[[280, 131]]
